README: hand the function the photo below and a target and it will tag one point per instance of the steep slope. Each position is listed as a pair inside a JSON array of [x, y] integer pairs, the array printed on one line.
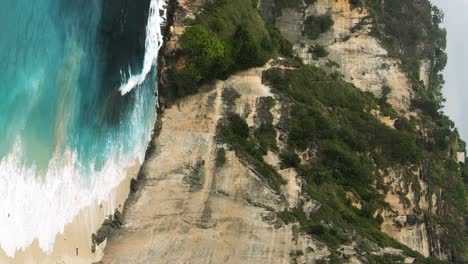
[[354, 49], [189, 209], [335, 161]]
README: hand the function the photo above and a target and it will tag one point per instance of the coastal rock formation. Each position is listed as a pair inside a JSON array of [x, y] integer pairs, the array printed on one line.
[[190, 210], [200, 200]]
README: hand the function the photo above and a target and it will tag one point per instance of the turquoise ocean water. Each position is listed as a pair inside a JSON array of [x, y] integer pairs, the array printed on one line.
[[70, 124]]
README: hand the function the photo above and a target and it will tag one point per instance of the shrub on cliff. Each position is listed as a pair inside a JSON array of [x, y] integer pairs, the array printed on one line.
[[227, 36], [318, 51], [207, 57], [316, 25], [247, 51], [289, 159]]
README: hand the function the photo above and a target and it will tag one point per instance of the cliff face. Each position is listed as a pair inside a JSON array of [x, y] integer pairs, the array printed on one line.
[[202, 199], [190, 210], [363, 61], [357, 55]]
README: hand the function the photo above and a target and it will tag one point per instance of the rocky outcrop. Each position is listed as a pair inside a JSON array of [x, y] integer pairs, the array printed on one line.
[[409, 202], [353, 52]]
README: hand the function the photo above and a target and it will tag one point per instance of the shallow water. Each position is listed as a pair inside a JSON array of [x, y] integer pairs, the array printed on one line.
[[76, 107]]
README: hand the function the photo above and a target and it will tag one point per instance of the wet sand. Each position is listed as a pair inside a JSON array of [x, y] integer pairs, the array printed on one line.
[[74, 245]]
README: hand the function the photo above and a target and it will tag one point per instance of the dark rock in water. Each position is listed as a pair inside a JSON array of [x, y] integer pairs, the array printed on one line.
[[118, 217], [112, 221], [101, 234], [133, 185]]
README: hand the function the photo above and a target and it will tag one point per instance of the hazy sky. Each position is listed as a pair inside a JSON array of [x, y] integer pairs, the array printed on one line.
[[456, 72]]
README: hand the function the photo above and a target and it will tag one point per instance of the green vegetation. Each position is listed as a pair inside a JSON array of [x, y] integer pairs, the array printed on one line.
[[411, 31], [316, 25], [234, 131], [289, 159], [318, 51], [227, 36], [207, 56], [333, 118], [265, 133], [220, 157], [385, 108], [402, 26]]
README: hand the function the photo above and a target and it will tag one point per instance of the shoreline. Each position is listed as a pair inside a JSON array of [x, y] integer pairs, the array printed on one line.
[[72, 246]]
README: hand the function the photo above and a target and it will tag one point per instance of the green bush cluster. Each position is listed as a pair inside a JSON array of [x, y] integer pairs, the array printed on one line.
[[289, 159], [227, 36], [385, 108], [318, 51], [265, 133], [316, 25], [207, 57]]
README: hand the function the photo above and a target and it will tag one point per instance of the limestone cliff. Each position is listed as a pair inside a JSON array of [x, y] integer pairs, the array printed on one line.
[[188, 210], [363, 61], [200, 200]]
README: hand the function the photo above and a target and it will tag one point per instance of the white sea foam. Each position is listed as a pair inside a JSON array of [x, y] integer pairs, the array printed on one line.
[[37, 205], [34, 206], [154, 41]]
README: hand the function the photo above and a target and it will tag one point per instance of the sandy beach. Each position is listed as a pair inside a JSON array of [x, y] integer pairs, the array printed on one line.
[[74, 245]]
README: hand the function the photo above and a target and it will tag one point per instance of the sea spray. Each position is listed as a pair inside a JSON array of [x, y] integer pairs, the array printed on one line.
[[153, 43]]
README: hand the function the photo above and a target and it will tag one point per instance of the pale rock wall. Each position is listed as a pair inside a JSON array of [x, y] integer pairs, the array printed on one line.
[[189, 211], [362, 59], [410, 202], [405, 203]]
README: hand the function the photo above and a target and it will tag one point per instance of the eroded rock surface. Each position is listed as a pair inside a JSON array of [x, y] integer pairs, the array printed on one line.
[[190, 211]]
